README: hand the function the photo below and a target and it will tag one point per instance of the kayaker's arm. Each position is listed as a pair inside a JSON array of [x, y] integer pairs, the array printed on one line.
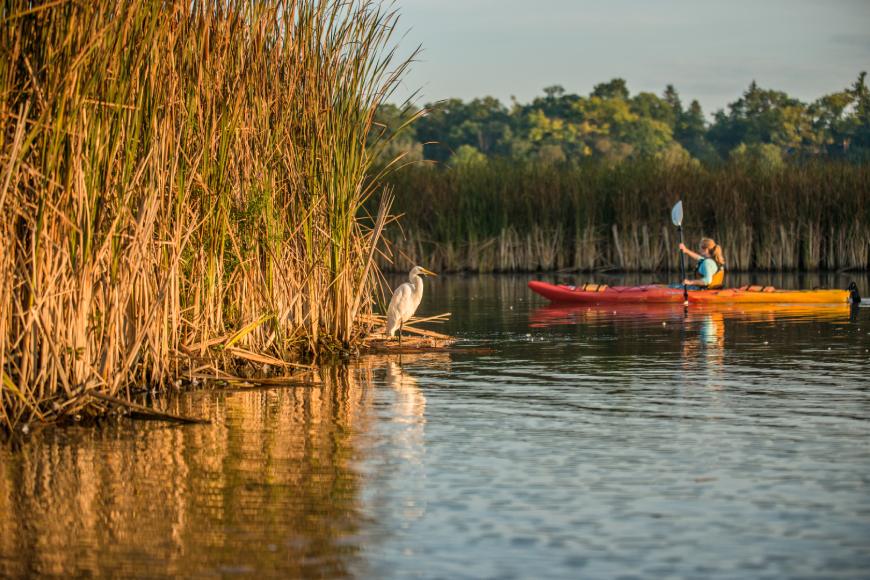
[[699, 282], [689, 252]]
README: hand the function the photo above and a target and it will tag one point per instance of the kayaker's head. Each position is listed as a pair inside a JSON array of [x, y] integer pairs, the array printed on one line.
[[710, 249]]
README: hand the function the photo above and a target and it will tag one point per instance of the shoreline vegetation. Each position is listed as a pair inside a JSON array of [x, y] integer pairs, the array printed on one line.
[[182, 190], [210, 190], [585, 182], [502, 215]]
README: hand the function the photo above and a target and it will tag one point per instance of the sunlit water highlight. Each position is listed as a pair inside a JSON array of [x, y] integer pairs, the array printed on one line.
[[552, 442]]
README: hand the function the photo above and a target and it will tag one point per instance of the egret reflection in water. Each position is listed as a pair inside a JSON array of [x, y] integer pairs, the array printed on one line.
[[410, 406]]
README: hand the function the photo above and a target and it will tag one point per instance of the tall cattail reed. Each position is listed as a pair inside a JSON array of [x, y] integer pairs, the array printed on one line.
[[597, 216], [182, 188]]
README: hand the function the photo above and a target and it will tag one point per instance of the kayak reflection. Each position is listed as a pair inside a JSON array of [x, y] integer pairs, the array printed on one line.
[[704, 338], [704, 356], [568, 314]]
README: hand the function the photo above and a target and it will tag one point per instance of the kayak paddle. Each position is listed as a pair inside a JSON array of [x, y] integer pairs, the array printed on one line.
[[677, 218]]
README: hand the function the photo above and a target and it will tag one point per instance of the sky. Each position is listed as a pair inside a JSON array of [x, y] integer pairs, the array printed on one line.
[[710, 51]]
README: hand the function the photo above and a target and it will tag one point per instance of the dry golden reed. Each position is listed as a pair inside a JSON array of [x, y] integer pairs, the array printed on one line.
[[181, 190]]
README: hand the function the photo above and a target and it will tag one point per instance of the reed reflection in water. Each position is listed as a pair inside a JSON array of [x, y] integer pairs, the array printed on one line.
[[269, 487]]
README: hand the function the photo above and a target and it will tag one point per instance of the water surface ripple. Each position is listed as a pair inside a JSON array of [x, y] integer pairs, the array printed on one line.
[[552, 443]]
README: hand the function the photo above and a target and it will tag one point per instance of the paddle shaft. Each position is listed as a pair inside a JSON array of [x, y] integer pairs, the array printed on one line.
[[683, 266]]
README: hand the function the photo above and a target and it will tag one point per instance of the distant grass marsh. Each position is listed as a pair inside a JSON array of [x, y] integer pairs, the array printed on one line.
[[501, 215]]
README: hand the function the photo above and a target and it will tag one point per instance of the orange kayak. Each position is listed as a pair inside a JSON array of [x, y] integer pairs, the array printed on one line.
[[659, 293]]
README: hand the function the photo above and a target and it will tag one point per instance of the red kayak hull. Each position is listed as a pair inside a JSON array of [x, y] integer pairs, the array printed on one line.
[[660, 294]]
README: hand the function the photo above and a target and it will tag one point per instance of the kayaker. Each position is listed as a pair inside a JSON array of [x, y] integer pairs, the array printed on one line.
[[711, 265]]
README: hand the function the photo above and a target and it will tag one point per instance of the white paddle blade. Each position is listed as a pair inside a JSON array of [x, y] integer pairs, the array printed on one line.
[[677, 214]]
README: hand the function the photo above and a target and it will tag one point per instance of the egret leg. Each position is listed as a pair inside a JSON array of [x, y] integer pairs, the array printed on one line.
[[401, 324]]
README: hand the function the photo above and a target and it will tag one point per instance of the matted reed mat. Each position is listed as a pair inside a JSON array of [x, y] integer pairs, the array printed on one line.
[[414, 338]]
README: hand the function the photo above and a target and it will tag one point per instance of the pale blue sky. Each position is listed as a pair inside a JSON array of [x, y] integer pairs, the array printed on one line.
[[709, 50]]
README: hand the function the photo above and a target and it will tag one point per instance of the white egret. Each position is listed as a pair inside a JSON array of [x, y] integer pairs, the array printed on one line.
[[406, 298]]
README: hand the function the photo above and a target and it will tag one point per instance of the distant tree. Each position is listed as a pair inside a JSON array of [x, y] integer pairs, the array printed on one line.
[[648, 137], [672, 98], [675, 155], [554, 91], [690, 124], [487, 126], [859, 124], [759, 116], [615, 89], [831, 126], [482, 123], [467, 156], [690, 132], [861, 94], [435, 129], [616, 131], [393, 136], [555, 103], [612, 124], [542, 132], [648, 105], [762, 157]]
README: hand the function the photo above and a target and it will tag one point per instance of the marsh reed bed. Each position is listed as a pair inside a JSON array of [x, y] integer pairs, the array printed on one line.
[[502, 215], [181, 191]]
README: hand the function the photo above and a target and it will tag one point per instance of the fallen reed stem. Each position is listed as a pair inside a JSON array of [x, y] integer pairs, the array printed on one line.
[[148, 412]]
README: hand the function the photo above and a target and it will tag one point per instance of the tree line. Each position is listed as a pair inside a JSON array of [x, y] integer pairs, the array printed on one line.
[[763, 127]]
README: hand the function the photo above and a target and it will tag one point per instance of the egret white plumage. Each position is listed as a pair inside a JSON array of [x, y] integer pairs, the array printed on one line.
[[406, 298]]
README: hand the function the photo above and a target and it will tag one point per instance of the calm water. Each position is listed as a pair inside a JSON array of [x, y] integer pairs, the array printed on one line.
[[586, 442]]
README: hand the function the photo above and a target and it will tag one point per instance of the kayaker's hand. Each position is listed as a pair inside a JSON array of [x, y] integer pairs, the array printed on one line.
[[688, 282], [683, 247]]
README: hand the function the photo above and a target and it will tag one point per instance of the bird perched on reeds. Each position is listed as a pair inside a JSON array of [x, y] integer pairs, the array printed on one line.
[[406, 298]]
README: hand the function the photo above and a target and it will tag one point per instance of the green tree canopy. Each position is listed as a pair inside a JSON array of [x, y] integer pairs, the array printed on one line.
[[612, 124]]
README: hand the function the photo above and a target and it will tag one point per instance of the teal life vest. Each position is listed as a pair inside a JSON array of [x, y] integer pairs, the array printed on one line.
[[717, 278]]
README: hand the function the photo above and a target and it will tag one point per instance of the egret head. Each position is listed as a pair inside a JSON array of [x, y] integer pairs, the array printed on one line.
[[417, 270]]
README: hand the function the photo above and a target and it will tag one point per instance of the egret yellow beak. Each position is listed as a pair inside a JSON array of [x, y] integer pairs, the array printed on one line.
[[428, 272]]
